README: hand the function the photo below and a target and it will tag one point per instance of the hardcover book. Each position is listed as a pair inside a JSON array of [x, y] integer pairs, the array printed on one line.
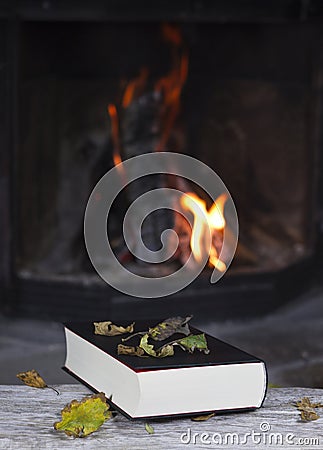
[[225, 379]]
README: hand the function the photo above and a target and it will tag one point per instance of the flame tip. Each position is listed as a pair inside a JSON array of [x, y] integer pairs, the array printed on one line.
[[212, 219]]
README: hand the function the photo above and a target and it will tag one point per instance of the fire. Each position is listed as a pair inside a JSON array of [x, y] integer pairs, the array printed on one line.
[[112, 111], [135, 87], [171, 85], [167, 95], [205, 220]]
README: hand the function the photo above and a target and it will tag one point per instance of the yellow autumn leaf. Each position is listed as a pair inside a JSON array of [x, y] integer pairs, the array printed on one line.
[[149, 428], [79, 419]]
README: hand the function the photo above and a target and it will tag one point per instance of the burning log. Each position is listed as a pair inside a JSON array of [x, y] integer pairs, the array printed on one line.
[[147, 118], [148, 114], [141, 130]]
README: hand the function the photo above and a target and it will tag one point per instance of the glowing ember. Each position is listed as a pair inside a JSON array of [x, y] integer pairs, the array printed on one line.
[[204, 220]]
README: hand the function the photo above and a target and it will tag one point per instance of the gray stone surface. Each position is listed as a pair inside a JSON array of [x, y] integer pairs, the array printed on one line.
[[290, 340]]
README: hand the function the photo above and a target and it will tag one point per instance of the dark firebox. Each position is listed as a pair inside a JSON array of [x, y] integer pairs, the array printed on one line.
[[249, 107]]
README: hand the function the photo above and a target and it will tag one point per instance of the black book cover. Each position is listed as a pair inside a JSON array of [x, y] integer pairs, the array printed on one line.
[[220, 352]]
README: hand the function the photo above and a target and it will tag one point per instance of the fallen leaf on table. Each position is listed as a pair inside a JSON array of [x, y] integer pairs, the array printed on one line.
[[33, 379], [79, 419], [131, 351], [110, 329], [149, 428], [307, 409], [203, 418], [308, 415], [317, 405]]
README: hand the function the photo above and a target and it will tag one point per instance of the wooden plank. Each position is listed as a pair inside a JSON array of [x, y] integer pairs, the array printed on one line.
[[27, 416]]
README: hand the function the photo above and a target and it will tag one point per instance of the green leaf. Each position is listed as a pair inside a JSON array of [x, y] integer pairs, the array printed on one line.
[[79, 419], [110, 329], [149, 428], [149, 349], [166, 350], [192, 342]]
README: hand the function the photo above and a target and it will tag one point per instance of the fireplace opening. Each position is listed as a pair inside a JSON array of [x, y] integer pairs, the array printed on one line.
[[242, 111], [90, 94]]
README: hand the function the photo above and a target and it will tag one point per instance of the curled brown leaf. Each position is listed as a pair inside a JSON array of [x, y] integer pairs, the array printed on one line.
[[33, 379], [307, 409], [129, 350], [108, 328]]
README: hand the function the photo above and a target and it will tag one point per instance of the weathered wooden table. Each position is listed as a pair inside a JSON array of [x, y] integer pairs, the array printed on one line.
[[27, 416]]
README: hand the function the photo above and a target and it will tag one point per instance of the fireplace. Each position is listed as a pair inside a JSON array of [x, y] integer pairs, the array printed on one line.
[[249, 108]]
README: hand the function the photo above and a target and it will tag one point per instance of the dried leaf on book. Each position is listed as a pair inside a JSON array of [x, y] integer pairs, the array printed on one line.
[[148, 348], [166, 350], [189, 343], [110, 329], [149, 428], [33, 379], [80, 419], [307, 409], [192, 342], [165, 329], [170, 326], [131, 351]]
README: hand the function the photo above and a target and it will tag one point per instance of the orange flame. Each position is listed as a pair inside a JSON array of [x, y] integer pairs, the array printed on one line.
[[212, 220], [171, 86], [135, 87], [112, 111]]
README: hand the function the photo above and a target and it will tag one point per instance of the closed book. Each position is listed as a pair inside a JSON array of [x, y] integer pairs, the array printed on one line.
[[225, 379]]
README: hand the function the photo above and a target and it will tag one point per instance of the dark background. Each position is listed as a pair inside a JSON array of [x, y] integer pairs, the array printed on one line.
[[251, 109]]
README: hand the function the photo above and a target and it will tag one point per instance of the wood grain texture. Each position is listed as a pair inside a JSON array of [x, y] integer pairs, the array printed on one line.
[[27, 416]]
